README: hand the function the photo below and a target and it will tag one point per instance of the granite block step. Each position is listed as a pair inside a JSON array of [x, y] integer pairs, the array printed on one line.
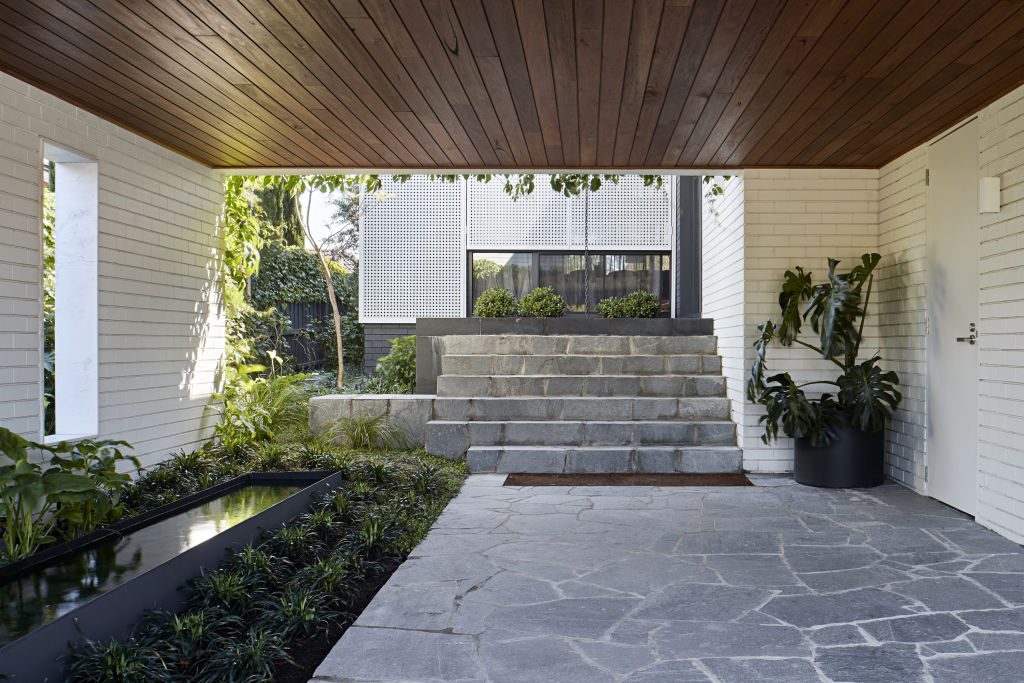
[[565, 364], [581, 385], [452, 438], [576, 459], [581, 408], [580, 344]]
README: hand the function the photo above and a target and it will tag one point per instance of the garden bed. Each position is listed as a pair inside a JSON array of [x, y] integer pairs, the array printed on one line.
[[99, 585]]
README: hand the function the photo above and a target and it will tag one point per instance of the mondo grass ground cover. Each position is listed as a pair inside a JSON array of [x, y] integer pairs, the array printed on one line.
[[273, 610]]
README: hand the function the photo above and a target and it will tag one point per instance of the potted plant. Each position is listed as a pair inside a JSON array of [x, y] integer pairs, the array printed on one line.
[[840, 438]]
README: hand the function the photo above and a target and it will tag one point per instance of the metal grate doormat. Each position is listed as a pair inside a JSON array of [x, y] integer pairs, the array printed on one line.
[[635, 479]]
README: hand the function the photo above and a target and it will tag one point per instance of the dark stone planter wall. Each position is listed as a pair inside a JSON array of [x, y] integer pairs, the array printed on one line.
[[429, 332], [377, 342]]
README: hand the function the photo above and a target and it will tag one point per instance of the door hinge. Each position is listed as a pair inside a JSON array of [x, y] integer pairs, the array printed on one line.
[[927, 177]]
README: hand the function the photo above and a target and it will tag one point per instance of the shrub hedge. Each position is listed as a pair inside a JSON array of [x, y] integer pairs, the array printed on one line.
[[638, 304]]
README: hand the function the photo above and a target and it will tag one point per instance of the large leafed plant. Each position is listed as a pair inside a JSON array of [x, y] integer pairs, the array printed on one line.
[[836, 310]]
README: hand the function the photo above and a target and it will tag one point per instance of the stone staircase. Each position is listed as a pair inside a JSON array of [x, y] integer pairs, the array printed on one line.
[[560, 403]]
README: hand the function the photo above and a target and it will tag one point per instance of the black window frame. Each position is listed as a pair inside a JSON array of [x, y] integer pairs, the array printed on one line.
[[535, 269]]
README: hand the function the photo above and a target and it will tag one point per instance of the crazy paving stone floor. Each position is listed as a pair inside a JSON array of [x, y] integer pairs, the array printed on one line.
[[777, 582]]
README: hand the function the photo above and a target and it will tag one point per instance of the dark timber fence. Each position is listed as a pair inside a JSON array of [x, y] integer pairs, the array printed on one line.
[[299, 341]]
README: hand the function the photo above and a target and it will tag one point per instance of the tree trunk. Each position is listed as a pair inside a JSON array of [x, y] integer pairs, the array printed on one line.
[[330, 290]]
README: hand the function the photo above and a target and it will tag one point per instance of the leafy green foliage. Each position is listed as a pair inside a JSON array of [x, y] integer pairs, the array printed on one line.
[[291, 274], [281, 215], [243, 239], [485, 268], [638, 304], [869, 394], [368, 432], [398, 367], [495, 303], [260, 409], [118, 661], [76, 492], [262, 335], [542, 302], [837, 310], [49, 309]]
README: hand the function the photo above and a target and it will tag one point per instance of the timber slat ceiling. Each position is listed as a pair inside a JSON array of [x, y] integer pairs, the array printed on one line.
[[523, 84]]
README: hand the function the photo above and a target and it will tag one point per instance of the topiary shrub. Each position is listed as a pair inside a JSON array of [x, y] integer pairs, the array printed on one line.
[[496, 303], [542, 302], [638, 304], [398, 368]]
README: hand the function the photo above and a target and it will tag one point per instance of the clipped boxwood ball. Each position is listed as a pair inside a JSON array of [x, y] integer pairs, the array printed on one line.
[[496, 303], [542, 302]]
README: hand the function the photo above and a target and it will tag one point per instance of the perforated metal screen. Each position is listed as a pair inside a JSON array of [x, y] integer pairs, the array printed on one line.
[[536, 221], [413, 241], [625, 215], [412, 252]]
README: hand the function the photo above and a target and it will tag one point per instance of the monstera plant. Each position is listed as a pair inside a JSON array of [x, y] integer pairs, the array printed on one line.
[[861, 397]]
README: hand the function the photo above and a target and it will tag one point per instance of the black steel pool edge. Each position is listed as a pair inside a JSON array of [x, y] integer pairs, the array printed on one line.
[[41, 654]]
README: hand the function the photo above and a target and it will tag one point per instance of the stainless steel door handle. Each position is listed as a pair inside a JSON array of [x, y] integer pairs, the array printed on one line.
[[969, 340]]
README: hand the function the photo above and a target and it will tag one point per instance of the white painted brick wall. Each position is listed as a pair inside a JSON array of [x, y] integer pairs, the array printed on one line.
[[1001, 280], [902, 298], [161, 320], [800, 218], [722, 283]]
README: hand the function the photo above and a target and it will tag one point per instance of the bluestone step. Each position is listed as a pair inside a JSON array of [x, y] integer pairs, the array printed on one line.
[[581, 408], [581, 385], [521, 364], [452, 438], [576, 459], [579, 344]]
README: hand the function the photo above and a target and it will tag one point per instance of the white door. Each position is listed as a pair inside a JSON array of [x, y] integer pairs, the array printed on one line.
[[952, 369]]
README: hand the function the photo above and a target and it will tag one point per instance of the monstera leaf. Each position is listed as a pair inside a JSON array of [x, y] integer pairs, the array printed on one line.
[[796, 288], [862, 273], [869, 395], [834, 311], [827, 421], [755, 385], [787, 407]]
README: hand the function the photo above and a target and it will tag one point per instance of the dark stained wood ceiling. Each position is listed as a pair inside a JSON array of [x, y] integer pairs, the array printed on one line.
[[523, 84]]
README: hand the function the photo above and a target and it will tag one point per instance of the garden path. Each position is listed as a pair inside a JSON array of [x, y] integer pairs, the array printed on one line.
[[776, 582]]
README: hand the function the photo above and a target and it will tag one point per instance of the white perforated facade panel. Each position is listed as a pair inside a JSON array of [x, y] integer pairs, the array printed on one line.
[[412, 252], [413, 242], [536, 221], [625, 215]]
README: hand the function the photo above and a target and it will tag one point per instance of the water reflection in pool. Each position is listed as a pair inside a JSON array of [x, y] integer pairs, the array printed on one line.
[[45, 595]]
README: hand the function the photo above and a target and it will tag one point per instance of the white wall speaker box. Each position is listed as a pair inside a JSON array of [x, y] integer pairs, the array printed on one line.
[[988, 195]]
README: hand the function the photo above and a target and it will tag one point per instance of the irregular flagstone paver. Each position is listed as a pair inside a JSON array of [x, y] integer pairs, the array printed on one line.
[[876, 663], [777, 582], [747, 670], [1003, 666]]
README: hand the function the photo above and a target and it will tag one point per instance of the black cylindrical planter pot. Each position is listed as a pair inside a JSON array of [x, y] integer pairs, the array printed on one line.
[[855, 460]]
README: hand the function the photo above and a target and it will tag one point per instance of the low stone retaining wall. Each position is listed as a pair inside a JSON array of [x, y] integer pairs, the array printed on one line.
[[408, 412]]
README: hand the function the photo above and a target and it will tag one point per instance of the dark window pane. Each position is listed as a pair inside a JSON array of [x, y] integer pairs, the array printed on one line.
[[625, 273], [565, 274], [511, 270]]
